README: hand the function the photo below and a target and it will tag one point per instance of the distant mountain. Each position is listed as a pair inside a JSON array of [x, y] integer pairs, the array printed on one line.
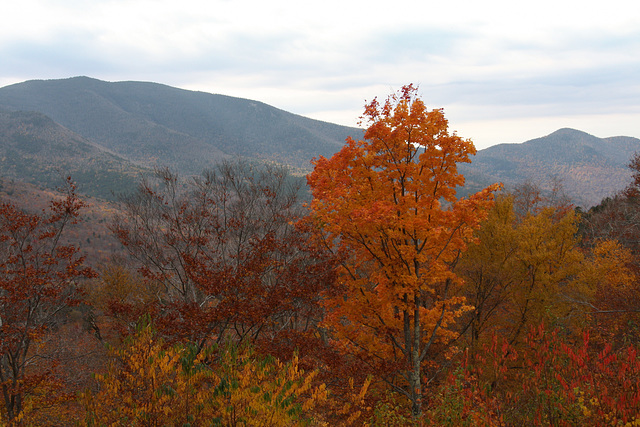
[[107, 134], [589, 168], [153, 124], [36, 150]]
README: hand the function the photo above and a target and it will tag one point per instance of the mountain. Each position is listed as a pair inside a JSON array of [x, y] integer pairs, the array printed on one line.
[[589, 168], [37, 150], [153, 124], [107, 134]]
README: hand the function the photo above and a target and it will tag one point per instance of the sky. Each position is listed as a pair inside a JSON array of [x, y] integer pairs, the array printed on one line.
[[503, 71]]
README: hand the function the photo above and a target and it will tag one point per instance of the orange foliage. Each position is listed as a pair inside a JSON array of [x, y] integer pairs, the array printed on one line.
[[388, 205]]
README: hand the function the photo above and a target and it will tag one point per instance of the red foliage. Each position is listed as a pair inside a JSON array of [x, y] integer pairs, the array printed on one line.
[[38, 282], [552, 381], [225, 254]]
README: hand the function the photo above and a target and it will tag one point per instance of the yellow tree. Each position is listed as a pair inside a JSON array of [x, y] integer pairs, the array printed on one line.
[[528, 269], [522, 270], [388, 204]]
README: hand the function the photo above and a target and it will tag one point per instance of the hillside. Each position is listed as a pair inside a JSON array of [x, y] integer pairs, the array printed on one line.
[[91, 235], [589, 168], [36, 150], [154, 124]]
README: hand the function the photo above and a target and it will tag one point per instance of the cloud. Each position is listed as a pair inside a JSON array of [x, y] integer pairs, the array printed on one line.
[[494, 65]]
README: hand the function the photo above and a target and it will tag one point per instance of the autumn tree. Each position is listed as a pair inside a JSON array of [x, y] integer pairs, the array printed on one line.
[[521, 269], [38, 282], [528, 267], [223, 253], [616, 308], [388, 204], [117, 298]]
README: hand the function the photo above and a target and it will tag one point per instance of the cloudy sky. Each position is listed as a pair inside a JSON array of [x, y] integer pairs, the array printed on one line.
[[504, 71]]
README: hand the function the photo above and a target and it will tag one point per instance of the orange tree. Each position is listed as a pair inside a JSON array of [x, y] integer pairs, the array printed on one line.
[[388, 204]]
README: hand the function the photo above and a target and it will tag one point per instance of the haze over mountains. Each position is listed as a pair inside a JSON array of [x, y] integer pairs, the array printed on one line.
[[107, 134]]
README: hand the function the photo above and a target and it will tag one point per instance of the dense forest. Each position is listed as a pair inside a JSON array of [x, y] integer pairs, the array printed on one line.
[[384, 300]]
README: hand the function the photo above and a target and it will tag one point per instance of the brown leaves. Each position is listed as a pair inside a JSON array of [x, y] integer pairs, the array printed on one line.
[[226, 253], [37, 284]]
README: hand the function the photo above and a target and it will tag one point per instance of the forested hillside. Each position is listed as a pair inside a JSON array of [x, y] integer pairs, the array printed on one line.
[[36, 150], [588, 168], [158, 125]]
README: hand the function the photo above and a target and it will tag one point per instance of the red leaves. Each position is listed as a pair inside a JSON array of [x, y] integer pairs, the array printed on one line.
[[227, 253], [37, 282], [565, 383]]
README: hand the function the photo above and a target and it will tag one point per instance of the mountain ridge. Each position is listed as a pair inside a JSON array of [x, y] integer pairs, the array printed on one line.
[[140, 119], [143, 125], [588, 167]]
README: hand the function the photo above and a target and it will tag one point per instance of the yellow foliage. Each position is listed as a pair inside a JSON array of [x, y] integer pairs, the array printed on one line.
[[529, 269], [608, 264], [264, 392], [116, 283], [149, 384]]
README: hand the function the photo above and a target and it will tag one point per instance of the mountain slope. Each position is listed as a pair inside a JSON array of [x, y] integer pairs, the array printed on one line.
[[35, 149], [155, 124], [589, 168]]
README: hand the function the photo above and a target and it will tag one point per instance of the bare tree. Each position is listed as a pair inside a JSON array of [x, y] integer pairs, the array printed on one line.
[[227, 251]]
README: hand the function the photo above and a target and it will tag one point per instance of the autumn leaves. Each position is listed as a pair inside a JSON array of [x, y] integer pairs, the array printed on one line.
[[427, 282], [388, 203], [388, 300]]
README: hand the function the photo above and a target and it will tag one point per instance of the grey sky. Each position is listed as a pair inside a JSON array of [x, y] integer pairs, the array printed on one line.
[[503, 71]]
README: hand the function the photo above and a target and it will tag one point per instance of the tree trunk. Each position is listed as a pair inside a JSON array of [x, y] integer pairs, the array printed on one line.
[[416, 380]]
